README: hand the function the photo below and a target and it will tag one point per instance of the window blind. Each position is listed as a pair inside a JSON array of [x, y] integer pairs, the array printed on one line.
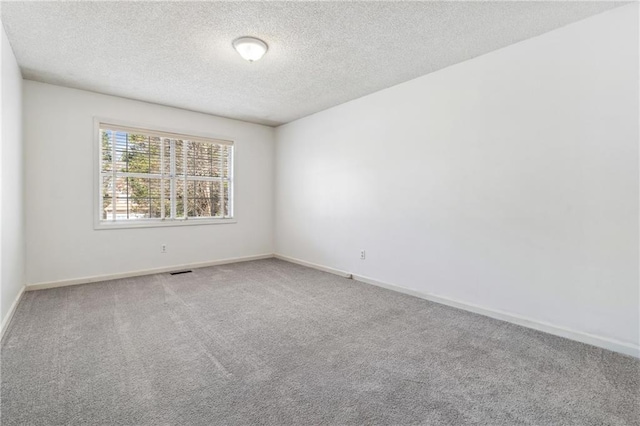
[[148, 175]]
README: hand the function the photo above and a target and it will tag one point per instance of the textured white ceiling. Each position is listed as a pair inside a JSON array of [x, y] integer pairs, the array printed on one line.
[[320, 53]]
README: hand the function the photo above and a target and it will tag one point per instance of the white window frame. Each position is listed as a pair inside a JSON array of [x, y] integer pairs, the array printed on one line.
[[100, 224]]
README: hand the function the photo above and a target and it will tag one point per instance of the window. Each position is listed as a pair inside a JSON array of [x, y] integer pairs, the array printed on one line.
[[154, 178]]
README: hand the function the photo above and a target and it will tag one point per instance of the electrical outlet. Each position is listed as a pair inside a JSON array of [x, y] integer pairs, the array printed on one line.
[[163, 248], [362, 255]]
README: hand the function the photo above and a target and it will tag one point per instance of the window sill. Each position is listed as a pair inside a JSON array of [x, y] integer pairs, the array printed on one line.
[[98, 226]]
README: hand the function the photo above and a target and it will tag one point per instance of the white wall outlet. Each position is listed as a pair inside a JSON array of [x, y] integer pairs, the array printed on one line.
[[362, 255], [163, 248]]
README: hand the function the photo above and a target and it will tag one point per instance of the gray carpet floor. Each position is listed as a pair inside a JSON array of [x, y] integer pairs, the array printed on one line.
[[269, 342]]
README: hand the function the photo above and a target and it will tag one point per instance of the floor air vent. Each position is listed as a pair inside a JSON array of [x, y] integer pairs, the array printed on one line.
[[181, 272]]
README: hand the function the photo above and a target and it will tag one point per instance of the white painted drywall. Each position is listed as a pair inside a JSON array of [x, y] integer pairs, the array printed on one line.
[[508, 182], [11, 183], [61, 243]]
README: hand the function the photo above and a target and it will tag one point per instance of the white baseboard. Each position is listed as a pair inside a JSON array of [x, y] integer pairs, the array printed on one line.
[[590, 339], [313, 265], [12, 310], [98, 278]]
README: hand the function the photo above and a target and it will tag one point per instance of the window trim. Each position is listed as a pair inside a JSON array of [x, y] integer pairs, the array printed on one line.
[[163, 132]]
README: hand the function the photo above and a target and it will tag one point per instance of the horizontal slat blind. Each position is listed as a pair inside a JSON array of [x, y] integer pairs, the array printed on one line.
[[161, 134], [149, 175]]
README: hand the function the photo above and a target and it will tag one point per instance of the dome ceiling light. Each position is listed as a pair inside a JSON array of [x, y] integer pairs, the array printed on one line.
[[250, 48]]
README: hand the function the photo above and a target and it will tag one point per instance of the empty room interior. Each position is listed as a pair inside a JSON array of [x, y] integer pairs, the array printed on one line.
[[320, 213]]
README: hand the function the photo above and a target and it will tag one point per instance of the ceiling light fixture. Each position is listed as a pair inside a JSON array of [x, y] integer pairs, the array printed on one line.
[[250, 48]]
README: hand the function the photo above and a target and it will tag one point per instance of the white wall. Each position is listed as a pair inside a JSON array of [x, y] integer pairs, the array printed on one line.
[[11, 182], [509, 181], [61, 243]]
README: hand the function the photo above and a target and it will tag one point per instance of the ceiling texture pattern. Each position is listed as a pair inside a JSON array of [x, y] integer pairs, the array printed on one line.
[[320, 54]]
